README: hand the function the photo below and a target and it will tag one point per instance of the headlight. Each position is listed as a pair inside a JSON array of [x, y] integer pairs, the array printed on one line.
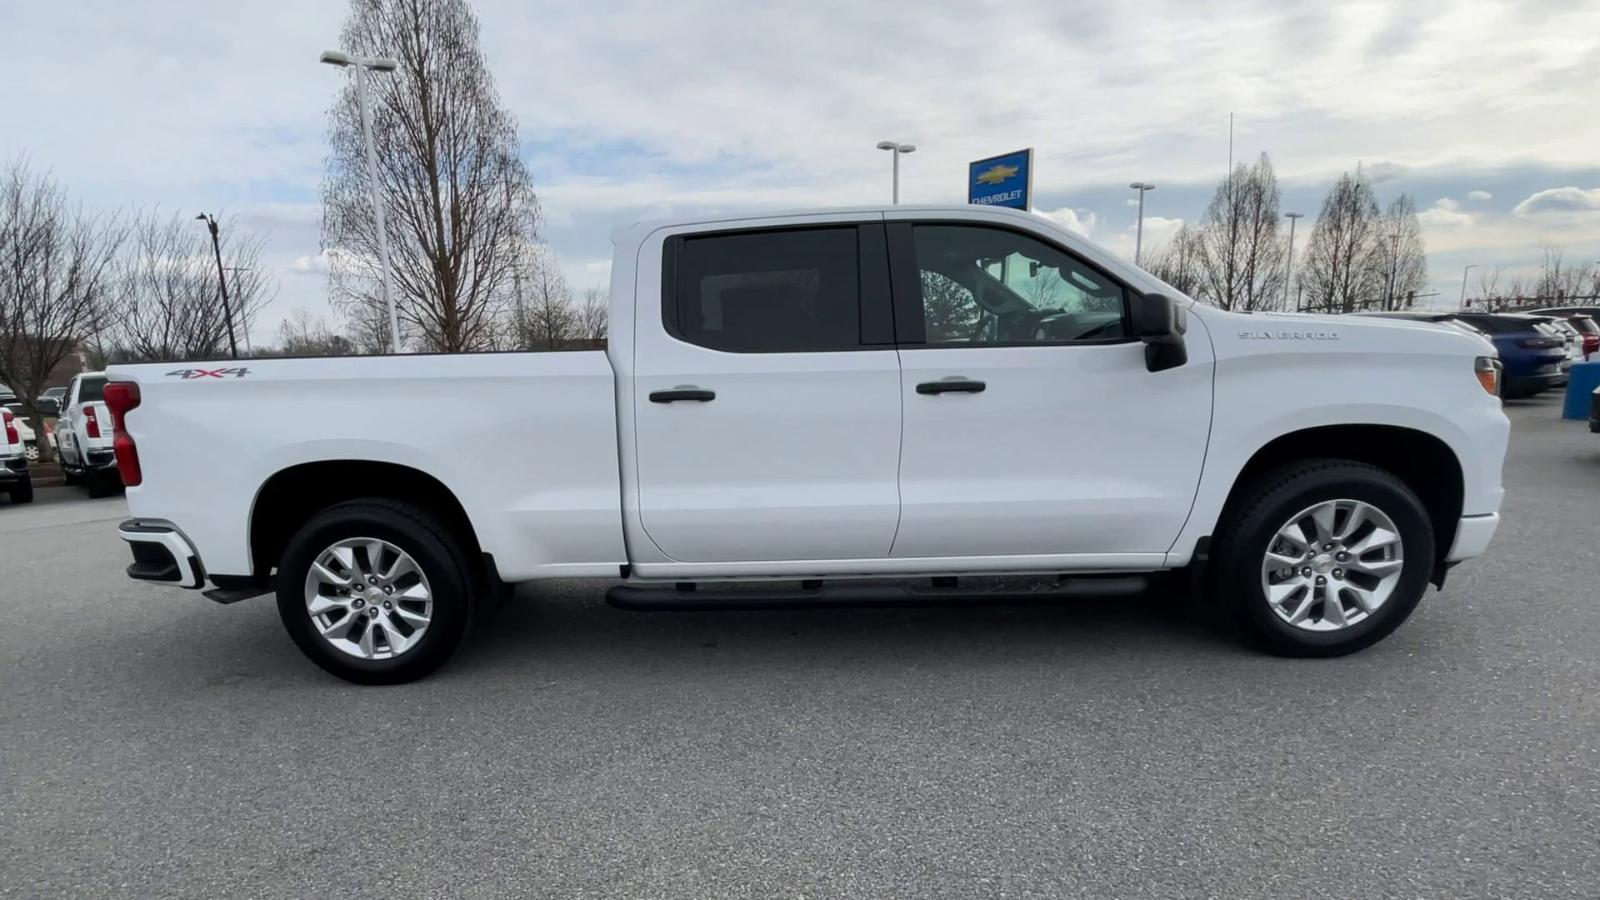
[[1488, 369]]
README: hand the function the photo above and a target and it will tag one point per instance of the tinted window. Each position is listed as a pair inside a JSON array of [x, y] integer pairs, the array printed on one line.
[[770, 291], [91, 390], [991, 286]]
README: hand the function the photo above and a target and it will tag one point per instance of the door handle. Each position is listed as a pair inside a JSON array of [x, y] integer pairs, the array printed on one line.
[[951, 386], [688, 392]]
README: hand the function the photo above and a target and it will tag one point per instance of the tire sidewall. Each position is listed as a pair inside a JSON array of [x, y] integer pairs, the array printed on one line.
[[1240, 569], [439, 562]]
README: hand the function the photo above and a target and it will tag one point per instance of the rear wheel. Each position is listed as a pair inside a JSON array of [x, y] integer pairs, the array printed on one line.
[[1323, 558], [102, 482], [374, 591], [22, 491]]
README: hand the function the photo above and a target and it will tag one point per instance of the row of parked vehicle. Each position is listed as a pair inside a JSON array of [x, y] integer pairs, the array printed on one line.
[[82, 438], [1537, 347]]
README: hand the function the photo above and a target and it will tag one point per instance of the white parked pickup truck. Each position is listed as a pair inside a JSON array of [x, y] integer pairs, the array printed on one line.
[[849, 406], [83, 436]]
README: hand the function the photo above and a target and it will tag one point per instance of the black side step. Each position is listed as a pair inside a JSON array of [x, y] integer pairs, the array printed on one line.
[[887, 595], [233, 588]]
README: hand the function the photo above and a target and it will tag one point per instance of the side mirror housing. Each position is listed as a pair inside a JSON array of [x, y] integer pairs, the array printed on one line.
[[1158, 320]]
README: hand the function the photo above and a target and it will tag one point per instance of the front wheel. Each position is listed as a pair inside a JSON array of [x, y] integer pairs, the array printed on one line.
[[1323, 558], [374, 591]]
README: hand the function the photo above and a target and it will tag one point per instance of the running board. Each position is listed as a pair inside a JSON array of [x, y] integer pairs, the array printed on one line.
[[234, 594], [866, 596]]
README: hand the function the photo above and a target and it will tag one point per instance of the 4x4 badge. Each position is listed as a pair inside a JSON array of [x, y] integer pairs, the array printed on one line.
[[187, 374]]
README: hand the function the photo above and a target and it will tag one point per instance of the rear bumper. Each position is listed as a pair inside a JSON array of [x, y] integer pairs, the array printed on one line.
[[1531, 384], [161, 553], [13, 470], [1594, 412], [1473, 534]]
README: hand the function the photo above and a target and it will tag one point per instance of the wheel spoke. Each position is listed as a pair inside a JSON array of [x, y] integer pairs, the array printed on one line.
[[374, 554], [1303, 609], [1382, 568], [346, 557], [328, 576], [412, 617], [418, 591], [397, 642], [1364, 598], [339, 630], [1332, 607], [1378, 537], [403, 565], [321, 606], [1282, 561], [366, 642], [1278, 593], [1323, 517]]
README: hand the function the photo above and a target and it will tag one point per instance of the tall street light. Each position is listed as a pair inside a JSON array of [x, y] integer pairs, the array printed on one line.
[[1288, 263], [895, 149], [377, 64], [222, 281], [1138, 233], [1462, 303]]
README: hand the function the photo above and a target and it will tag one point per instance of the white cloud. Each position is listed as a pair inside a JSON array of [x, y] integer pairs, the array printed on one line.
[[1077, 221], [1383, 171], [1479, 195], [1566, 200], [1445, 213]]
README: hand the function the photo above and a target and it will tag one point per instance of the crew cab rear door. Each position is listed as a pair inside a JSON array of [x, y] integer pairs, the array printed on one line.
[[766, 392], [1032, 425]]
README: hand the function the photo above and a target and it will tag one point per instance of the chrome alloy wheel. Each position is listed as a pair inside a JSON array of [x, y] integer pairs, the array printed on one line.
[[368, 598], [1332, 565]]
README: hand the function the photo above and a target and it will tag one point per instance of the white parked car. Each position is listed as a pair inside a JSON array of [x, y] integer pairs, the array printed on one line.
[[83, 436], [15, 479], [30, 440], [904, 394]]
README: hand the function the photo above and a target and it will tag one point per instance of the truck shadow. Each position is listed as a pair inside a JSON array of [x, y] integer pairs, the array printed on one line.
[[559, 622]]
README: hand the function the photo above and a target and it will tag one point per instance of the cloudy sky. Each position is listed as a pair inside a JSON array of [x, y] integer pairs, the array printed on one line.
[[1484, 112]]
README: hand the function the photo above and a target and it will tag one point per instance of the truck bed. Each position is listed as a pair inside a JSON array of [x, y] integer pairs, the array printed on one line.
[[526, 441]]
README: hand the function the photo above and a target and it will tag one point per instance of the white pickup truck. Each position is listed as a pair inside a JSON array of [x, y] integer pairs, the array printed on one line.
[[83, 436], [848, 406]]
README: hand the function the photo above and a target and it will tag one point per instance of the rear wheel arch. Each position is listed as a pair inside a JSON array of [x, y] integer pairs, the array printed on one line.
[[1423, 462], [288, 499]]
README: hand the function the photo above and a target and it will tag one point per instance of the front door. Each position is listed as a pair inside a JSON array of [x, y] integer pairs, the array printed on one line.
[[1032, 426], [766, 396]]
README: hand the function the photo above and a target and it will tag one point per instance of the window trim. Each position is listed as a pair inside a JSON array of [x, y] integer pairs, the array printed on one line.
[[877, 278], [906, 284]]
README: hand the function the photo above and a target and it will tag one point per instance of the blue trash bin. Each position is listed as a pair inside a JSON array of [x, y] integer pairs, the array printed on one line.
[[1581, 383]]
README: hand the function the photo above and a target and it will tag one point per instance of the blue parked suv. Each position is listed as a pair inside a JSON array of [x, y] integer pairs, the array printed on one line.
[[1532, 356]]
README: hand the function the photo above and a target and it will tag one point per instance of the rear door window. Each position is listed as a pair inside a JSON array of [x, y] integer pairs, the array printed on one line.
[[779, 291], [91, 390]]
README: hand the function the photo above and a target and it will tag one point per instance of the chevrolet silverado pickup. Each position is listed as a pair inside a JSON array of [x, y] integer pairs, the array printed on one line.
[[859, 405]]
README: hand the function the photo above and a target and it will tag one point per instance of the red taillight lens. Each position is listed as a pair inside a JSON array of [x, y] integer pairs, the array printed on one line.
[[11, 427], [91, 421], [120, 397]]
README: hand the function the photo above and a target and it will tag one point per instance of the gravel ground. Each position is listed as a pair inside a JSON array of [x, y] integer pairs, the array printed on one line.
[[153, 743]]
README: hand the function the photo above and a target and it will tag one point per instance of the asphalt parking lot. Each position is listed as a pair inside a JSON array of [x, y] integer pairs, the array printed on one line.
[[153, 743]]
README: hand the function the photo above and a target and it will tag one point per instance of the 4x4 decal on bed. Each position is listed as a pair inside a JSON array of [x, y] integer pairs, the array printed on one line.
[[187, 374]]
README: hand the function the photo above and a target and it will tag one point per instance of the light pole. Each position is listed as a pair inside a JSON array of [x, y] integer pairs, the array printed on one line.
[[1462, 303], [222, 281], [1288, 263], [895, 149], [1138, 230], [377, 64]]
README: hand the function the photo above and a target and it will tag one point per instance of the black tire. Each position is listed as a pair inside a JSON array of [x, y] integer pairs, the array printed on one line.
[[103, 482], [1271, 500], [22, 491], [68, 476], [415, 531]]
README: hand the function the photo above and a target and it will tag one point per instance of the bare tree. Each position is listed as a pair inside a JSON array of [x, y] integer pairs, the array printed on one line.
[[1398, 258], [57, 282], [1556, 281], [171, 304], [594, 316], [549, 319], [1241, 251], [460, 202], [304, 334], [1336, 271], [1177, 262]]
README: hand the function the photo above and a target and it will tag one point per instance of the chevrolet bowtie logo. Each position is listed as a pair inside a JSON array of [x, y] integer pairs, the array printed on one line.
[[996, 174]]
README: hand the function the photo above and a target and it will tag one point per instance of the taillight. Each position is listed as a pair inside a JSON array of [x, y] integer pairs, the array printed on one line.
[[1488, 370], [11, 426], [120, 397], [91, 421]]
